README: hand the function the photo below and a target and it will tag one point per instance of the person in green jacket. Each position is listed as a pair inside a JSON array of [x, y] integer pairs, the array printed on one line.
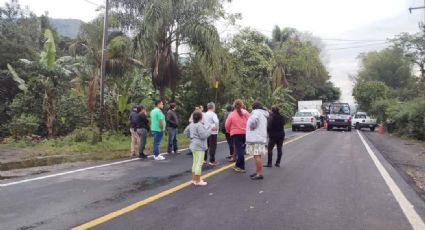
[[157, 128]]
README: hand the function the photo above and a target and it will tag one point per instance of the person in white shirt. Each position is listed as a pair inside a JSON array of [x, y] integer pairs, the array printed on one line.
[[211, 122]]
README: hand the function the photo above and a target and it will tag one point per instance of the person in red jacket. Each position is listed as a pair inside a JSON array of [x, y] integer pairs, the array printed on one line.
[[236, 126]]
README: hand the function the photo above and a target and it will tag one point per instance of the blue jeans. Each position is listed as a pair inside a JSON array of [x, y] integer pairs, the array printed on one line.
[[172, 140], [157, 138], [239, 142]]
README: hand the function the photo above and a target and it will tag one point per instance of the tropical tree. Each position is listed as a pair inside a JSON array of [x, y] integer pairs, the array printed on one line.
[[50, 72], [119, 61], [298, 64], [389, 66], [163, 25], [366, 93], [254, 64]]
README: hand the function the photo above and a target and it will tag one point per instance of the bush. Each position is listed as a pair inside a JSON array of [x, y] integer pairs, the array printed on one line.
[[88, 134], [409, 118], [71, 114], [23, 125]]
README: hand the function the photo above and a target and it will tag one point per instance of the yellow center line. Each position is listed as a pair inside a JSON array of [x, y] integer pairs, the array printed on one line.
[[160, 195]]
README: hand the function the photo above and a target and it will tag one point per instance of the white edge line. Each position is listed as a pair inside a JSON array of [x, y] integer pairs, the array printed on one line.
[[408, 209], [82, 169]]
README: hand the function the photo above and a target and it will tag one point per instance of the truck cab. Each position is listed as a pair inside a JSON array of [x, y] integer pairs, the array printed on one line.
[[339, 116]]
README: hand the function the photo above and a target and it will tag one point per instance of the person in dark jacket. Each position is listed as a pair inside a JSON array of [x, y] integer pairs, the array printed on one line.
[[133, 130], [172, 125], [142, 125], [232, 155], [276, 133]]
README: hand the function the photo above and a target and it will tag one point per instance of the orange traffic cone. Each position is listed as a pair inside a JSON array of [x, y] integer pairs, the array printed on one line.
[[381, 129]]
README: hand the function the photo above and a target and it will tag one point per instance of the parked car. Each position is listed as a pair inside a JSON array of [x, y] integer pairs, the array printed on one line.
[[339, 116], [317, 115], [304, 120], [362, 120]]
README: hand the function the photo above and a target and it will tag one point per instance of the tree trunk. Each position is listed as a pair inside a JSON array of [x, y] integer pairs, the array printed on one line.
[[50, 110], [162, 92]]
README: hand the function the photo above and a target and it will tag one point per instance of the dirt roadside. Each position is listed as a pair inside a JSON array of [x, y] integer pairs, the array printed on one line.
[[408, 157]]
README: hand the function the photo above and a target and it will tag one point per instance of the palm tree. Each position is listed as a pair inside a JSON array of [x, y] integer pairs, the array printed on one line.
[[168, 23], [118, 59]]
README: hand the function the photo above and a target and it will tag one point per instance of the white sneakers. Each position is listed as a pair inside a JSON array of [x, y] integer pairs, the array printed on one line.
[[200, 183], [159, 158]]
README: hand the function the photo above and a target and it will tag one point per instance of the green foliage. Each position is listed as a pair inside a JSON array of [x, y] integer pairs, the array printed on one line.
[[305, 73], [386, 87], [48, 56], [413, 46], [122, 101], [409, 118], [282, 98], [23, 125], [21, 83], [389, 66], [71, 114], [254, 64], [368, 92], [184, 22]]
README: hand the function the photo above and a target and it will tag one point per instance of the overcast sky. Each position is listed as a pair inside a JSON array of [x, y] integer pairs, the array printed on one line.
[[327, 19]]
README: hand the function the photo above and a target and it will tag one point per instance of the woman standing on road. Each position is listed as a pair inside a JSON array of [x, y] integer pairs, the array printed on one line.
[[256, 137], [236, 126], [198, 135], [276, 132]]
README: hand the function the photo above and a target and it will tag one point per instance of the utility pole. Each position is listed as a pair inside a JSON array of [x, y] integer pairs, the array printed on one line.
[[103, 67], [421, 25]]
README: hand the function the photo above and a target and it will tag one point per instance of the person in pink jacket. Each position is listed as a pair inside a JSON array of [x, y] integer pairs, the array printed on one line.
[[236, 126]]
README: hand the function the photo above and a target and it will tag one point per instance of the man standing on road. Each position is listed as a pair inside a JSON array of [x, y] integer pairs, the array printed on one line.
[[157, 127], [172, 125], [142, 130], [211, 122], [133, 130]]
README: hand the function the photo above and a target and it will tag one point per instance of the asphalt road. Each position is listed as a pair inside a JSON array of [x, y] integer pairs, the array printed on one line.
[[327, 181]]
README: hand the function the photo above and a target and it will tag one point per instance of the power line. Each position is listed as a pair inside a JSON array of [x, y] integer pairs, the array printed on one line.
[[93, 3], [356, 47], [349, 43], [353, 40]]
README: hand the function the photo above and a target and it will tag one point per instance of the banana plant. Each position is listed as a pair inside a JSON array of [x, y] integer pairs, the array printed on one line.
[[51, 71], [21, 83]]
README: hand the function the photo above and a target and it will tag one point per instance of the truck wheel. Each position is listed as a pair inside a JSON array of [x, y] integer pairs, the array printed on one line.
[[358, 126], [329, 128], [349, 128], [372, 129]]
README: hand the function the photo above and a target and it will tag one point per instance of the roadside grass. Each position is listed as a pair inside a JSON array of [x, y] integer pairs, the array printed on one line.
[[405, 138], [113, 146]]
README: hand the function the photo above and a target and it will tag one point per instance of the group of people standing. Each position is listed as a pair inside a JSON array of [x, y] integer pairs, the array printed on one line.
[[255, 133], [245, 134], [140, 126]]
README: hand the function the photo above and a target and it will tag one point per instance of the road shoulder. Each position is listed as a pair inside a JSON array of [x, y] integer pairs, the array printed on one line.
[[397, 158]]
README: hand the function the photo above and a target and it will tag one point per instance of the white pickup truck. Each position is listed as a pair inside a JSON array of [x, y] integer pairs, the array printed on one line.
[[362, 120], [304, 120]]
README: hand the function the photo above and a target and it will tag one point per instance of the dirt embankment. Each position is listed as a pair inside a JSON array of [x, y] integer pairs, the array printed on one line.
[[408, 157]]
